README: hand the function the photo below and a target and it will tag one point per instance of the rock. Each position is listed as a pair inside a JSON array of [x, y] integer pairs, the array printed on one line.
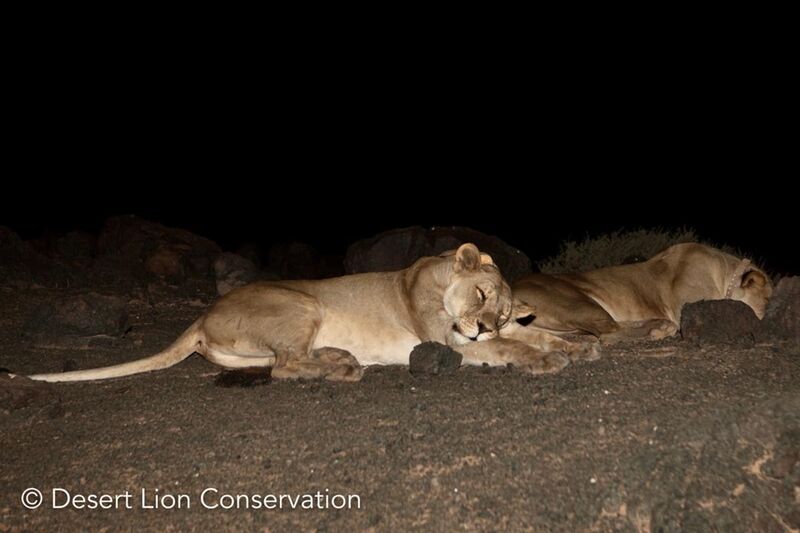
[[294, 260], [13, 271], [399, 248], [252, 252], [141, 248], [782, 318], [297, 260], [167, 262], [21, 265], [79, 315], [18, 392], [76, 245], [70, 259], [718, 321], [233, 271], [433, 358], [11, 245]]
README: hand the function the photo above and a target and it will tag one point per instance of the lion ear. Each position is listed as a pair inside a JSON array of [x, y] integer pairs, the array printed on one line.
[[523, 313], [753, 278], [467, 258], [486, 259]]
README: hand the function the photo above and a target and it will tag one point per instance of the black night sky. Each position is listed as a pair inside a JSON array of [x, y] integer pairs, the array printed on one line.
[[534, 157]]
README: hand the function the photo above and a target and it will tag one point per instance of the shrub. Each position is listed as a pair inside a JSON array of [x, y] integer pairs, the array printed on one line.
[[616, 248]]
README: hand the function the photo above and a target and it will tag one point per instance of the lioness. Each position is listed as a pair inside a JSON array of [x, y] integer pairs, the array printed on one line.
[[643, 299], [310, 329]]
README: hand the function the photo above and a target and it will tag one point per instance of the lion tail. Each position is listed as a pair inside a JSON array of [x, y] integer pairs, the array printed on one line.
[[182, 348]]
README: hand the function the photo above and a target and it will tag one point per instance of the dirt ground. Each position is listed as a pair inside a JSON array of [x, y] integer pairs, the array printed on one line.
[[699, 439]]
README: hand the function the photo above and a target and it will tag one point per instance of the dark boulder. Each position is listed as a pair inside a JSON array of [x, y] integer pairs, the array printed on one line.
[[14, 270], [23, 266], [76, 246], [433, 358], [131, 248], [782, 318], [233, 271], [399, 248], [298, 260], [78, 315], [718, 321]]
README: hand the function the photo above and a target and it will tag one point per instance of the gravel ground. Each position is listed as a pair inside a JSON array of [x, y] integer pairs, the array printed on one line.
[[648, 438]]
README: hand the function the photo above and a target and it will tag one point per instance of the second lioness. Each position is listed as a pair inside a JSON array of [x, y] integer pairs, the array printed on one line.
[[642, 299]]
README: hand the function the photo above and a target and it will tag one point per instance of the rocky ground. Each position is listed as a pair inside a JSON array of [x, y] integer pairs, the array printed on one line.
[[650, 437], [694, 434]]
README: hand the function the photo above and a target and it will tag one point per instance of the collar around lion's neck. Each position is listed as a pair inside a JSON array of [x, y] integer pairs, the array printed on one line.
[[737, 276]]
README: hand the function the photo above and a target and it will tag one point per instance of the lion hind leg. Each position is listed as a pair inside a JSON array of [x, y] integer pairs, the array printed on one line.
[[330, 363], [265, 326]]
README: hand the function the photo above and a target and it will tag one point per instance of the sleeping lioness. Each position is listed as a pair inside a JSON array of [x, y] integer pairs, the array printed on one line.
[[643, 299], [310, 329]]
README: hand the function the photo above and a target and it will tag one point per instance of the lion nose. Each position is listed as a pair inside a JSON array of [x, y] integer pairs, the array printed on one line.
[[483, 329]]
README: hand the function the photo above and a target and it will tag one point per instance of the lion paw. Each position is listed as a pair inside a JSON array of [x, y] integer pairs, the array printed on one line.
[[343, 366], [346, 373], [663, 330], [546, 363], [584, 351], [330, 363]]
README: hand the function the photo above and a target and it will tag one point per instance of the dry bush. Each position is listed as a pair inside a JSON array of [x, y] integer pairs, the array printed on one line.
[[617, 248]]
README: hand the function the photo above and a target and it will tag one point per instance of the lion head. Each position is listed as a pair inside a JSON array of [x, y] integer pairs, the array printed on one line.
[[478, 299], [751, 286]]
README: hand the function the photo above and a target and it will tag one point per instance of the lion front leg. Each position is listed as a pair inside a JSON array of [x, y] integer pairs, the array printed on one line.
[[500, 351], [651, 329], [547, 342]]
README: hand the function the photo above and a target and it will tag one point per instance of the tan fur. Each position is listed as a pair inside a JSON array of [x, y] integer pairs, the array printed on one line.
[[643, 299], [311, 328]]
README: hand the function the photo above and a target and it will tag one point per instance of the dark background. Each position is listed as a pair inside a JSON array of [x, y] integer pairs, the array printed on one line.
[[535, 152]]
